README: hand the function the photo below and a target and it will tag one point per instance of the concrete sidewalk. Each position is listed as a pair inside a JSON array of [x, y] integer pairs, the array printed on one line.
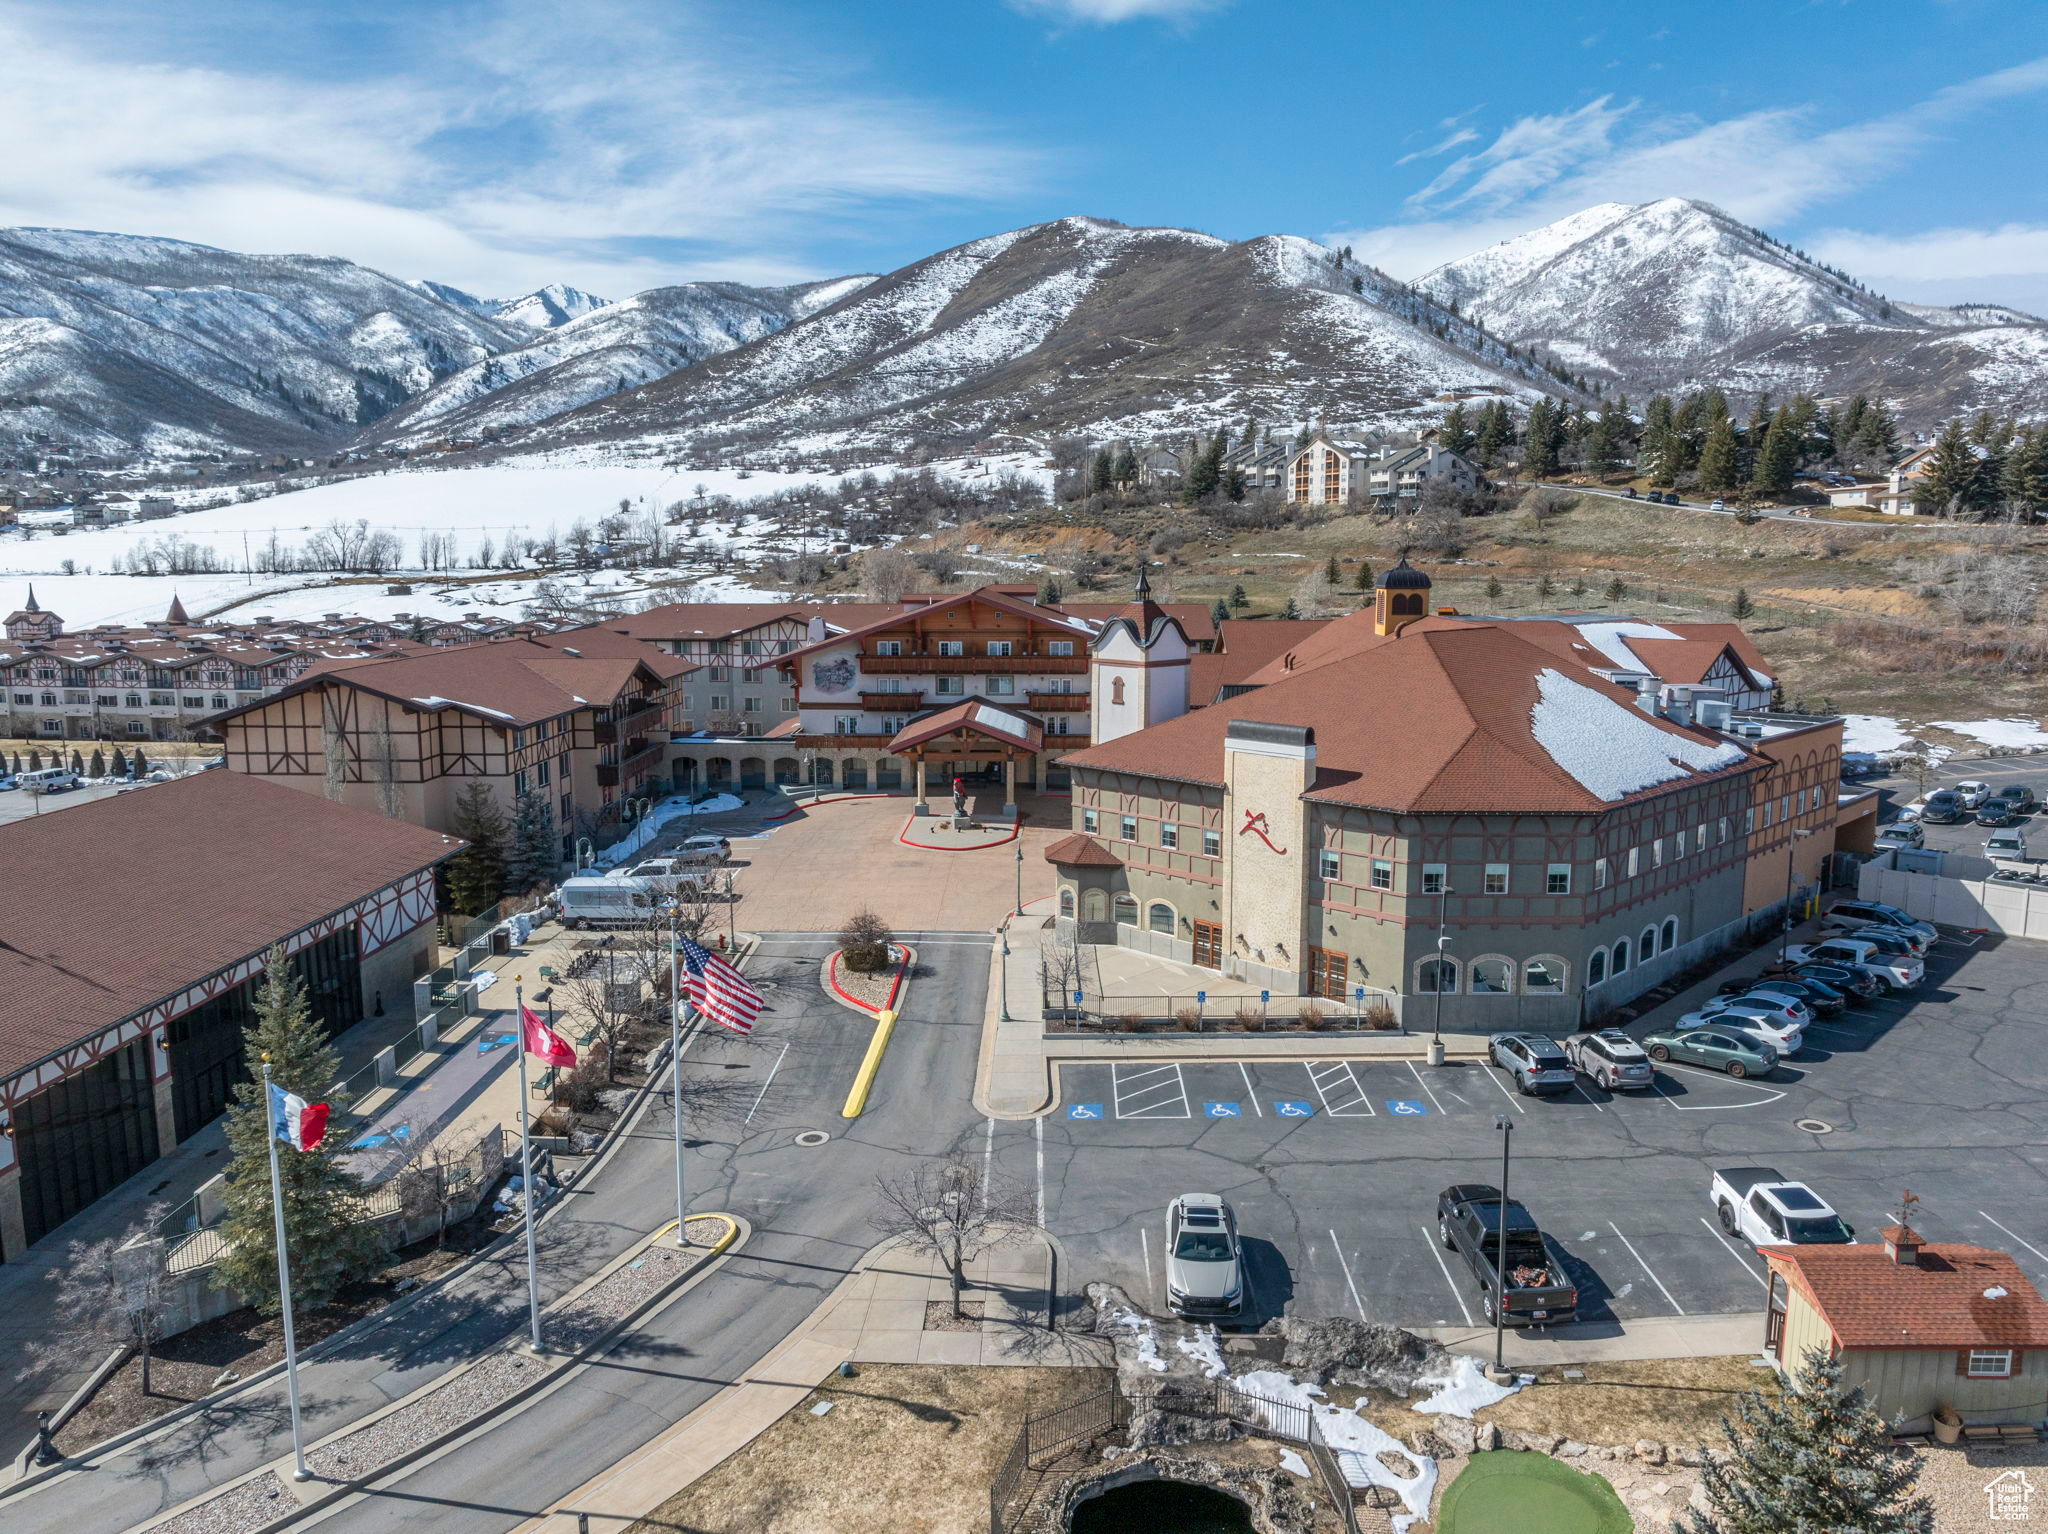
[[1643, 1337]]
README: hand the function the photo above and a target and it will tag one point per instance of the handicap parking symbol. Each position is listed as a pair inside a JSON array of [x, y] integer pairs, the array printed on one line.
[[495, 1041], [1404, 1109], [1293, 1108], [1222, 1110], [1084, 1110]]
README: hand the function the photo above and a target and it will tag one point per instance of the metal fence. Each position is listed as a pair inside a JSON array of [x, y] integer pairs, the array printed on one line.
[[1202, 1012]]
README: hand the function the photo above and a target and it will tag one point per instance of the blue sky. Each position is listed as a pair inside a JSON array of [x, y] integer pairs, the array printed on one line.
[[620, 144]]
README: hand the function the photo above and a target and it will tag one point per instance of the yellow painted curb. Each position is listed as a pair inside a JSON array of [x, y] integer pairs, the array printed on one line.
[[864, 1078], [717, 1248]]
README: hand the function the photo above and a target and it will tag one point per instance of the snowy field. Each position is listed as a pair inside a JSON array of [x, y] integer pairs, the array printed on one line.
[[470, 507], [1883, 736]]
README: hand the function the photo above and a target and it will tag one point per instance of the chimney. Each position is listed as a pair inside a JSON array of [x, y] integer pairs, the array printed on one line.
[[1902, 1245], [1646, 694]]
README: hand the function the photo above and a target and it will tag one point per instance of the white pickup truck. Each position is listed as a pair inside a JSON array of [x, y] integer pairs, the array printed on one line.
[[1897, 971], [1765, 1208]]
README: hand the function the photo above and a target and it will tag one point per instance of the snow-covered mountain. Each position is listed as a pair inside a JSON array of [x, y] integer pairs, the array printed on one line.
[[122, 343], [1677, 294], [545, 308], [1076, 325], [614, 347]]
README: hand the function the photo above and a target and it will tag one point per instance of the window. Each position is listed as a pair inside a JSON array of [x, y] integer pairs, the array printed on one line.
[[751, 705], [1492, 977], [1599, 873], [1543, 977], [568, 808], [1116, 690], [1089, 819], [1646, 946], [132, 700], [1212, 844], [846, 724], [1329, 864], [1749, 820], [789, 702], [1058, 724], [1066, 901], [952, 647], [1557, 879], [1724, 829], [1596, 967], [888, 647], [998, 647], [1699, 837], [1001, 686], [1657, 852], [1989, 1363], [1621, 957], [950, 686], [541, 773], [1126, 910], [1059, 647], [190, 701], [720, 702], [1433, 875], [1496, 879], [1382, 873], [1766, 815], [1634, 861], [1127, 827], [1437, 975], [1159, 917], [1093, 905], [1169, 834], [519, 781], [1670, 933]]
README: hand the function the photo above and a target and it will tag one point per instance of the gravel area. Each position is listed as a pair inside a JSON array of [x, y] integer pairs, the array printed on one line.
[[249, 1506], [1956, 1479], [870, 989]]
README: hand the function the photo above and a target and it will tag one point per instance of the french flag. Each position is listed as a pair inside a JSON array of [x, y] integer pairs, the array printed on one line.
[[295, 1121]]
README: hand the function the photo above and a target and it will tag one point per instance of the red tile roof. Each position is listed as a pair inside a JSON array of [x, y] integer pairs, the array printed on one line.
[[1003, 725], [1949, 1299], [1078, 851], [113, 906], [1245, 647]]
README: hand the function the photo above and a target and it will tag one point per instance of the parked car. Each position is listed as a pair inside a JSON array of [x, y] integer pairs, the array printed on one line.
[[1754, 1017], [1856, 982], [48, 780], [2007, 846], [1900, 974], [1909, 812], [1943, 808], [1506, 1251], [1846, 915], [1719, 1049], [1765, 1208], [1717, 504], [1612, 1059], [2019, 797], [7, 783], [1204, 1262], [1901, 833], [705, 847], [1819, 998], [1894, 940], [1972, 791], [1535, 1062], [1997, 814], [591, 901], [670, 874]]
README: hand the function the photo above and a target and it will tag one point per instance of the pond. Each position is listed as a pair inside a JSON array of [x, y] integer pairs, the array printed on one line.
[[1161, 1507]]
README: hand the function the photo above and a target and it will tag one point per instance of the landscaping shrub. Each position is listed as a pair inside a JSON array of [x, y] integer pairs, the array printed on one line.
[[1249, 1020], [1379, 1015], [1312, 1018], [864, 942], [1129, 1022], [1190, 1019]]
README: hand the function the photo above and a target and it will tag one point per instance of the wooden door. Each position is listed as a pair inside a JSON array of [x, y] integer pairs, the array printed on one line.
[[1326, 973], [1208, 945]]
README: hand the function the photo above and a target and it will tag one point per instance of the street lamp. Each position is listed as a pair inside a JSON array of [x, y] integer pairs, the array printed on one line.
[[1436, 1024], [1499, 1372], [1791, 862], [1020, 878]]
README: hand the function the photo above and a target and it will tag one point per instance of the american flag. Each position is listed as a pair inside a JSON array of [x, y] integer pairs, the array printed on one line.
[[717, 989]]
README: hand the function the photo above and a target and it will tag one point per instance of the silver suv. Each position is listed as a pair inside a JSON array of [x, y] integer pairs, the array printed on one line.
[[1204, 1264], [1613, 1059], [1536, 1063]]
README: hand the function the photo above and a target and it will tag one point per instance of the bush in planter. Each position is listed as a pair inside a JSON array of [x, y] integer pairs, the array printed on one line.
[[1129, 1022], [1312, 1018], [1249, 1020], [864, 942], [1379, 1015], [1190, 1019]]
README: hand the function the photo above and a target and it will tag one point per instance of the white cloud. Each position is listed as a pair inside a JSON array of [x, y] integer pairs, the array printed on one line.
[[532, 152], [1105, 13], [1443, 145], [2008, 264], [1526, 156]]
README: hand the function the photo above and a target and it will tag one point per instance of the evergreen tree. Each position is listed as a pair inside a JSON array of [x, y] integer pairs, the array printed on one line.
[[1617, 589], [1234, 483], [1814, 1458], [98, 766], [1771, 474], [1742, 607], [1495, 432], [1656, 449], [1290, 610], [1545, 586], [1954, 484], [1540, 440], [1302, 438], [475, 876], [1220, 613], [120, 763], [1049, 592], [1457, 435], [1493, 587], [1608, 436], [77, 763], [2023, 480], [535, 853], [1238, 599], [1125, 472], [137, 764], [35, 759], [1102, 473], [1332, 574], [326, 1237], [1579, 586], [1719, 458], [1205, 473], [1363, 580], [1875, 442]]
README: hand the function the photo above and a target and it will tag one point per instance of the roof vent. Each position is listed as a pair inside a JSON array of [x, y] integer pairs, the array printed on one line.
[[567, 651], [1902, 1245]]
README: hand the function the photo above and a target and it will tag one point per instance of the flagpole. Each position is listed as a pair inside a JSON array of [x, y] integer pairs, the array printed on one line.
[[675, 1063], [525, 1167], [284, 1286]]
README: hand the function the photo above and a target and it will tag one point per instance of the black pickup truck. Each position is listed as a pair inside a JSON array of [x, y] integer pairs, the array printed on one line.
[[1468, 1221]]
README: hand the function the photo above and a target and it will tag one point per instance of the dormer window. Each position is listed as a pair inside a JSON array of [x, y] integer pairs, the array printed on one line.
[[888, 647]]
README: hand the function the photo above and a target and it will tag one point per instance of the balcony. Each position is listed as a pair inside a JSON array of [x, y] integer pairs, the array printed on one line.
[[986, 665], [638, 721], [607, 775], [891, 702], [1056, 702], [642, 754]]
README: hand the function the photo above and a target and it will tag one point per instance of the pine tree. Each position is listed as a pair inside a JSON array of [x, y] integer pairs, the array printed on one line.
[[1540, 436], [137, 765], [1125, 473], [1742, 607], [1205, 473], [1771, 474], [1954, 482], [327, 1240], [1363, 581], [35, 759], [1220, 613], [1814, 1458], [1579, 586], [98, 765], [535, 854], [1719, 458], [1608, 436], [1457, 435], [1238, 599], [1493, 587], [1545, 586], [1234, 483], [120, 763], [2023, 481], [1617, 589], [475, 876], [1332, 574], [77, 763], [1102, 473], [1290, 610], [1494, 434]]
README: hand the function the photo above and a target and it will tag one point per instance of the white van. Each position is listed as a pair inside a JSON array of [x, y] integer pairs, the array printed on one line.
[[47, 780], [600, 902], [2006, 846]]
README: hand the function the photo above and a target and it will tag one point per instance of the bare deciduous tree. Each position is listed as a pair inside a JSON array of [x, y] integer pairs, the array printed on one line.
[[942, 1207], [112, 1293]]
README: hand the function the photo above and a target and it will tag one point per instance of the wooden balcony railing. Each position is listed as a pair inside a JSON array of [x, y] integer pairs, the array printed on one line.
[[892, 702], [1056, 702], [985, 665], [638, 722]]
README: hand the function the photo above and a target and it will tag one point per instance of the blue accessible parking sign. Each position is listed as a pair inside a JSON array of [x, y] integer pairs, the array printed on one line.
[[1084, 1110], [1402, 1109], [1293, 1108], [1222, 1111]]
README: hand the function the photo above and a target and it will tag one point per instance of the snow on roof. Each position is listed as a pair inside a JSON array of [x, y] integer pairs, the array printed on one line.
[[475, 708], [996, 719], [1611, 749], [1608, 639]]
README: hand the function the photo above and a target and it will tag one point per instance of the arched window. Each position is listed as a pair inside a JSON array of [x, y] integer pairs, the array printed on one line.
[[1434, 975], [1621, 957], [1126, 910], [1492, 977], [1543, 977], [1596, 967], [1159, 917], [1094, 905], [1646, 946], [1116, 689], [1066, 901], [1670, 933]]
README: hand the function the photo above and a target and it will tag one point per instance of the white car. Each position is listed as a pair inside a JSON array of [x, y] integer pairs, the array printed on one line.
[[1758, 1204], [1973, 792], [1752, 1019], [1204, 1264]]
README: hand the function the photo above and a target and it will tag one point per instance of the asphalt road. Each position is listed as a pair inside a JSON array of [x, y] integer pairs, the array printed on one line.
[[1968, 836], [744, 1101], [1334, 1169]]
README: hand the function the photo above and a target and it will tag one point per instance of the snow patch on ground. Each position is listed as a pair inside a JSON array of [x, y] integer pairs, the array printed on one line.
[[1293, 1463], [1464, 1392], [1203, 1349], [1358, 1444], [1997, 732], [1610, 749], [650, 824], [1148, 1341], [1874, 733]]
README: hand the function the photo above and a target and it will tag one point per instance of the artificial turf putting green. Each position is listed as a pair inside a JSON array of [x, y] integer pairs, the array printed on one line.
[[1531, 1494]]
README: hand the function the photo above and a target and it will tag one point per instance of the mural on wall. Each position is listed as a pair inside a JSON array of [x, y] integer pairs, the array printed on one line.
[[834, 675], [1255, 822]]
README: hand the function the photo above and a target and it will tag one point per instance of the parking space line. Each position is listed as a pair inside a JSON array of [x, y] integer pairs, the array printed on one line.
[[1580, 1088], [1429, 1239], [1732, 1252], [1645, 1266], [1145, 1240], [1340, 1074], [1249, 1091], [2022, 1240], [1357, 1304], [1670, 1065], [1494, 1076], [1420, 1082], [1170, 1081]]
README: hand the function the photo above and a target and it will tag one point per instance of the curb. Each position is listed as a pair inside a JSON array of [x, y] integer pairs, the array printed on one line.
[[337, 1491], [1002, 841], [902, 969], [885, 1026]]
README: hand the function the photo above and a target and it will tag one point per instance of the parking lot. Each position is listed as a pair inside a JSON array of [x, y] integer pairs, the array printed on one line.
[[1968, 836], [1334, 1167]]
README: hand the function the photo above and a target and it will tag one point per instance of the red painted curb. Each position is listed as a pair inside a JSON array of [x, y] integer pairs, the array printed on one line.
[[1015, 827], [835, 799], [896, 985]]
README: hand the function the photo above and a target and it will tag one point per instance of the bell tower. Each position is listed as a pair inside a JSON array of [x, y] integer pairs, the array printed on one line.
[[1137, 668], [1399, 597], [33, 622]]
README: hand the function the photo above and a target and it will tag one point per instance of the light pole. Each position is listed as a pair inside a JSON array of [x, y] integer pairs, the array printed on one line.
[[1499, 1372], [1791, 862], [1436, 1023], [1020, 878]]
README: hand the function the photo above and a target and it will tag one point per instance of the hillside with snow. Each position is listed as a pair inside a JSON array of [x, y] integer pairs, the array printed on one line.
[[1080, 325]]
